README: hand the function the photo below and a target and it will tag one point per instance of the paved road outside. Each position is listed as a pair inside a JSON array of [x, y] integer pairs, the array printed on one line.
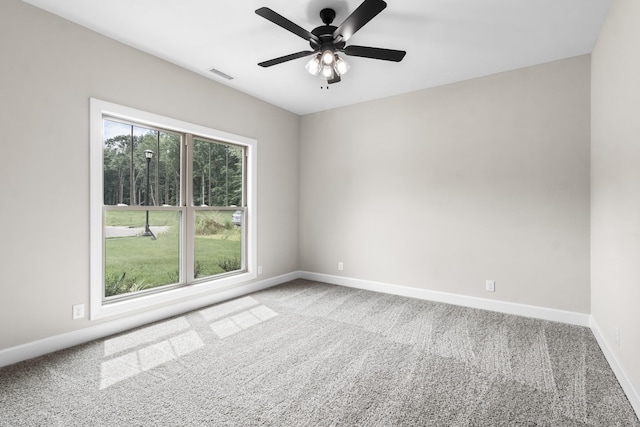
[[121, 231]]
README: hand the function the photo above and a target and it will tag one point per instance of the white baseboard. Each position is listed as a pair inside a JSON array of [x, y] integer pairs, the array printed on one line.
[[572, 318], [621, 374], [41, 347], [37, 348]]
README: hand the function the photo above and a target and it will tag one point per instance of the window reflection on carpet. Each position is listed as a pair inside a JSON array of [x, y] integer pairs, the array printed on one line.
[[130, 364], [145, 335], [233, 324], [157, 344]]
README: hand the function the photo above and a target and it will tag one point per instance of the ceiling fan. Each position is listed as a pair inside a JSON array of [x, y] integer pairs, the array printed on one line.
[[327, 41]]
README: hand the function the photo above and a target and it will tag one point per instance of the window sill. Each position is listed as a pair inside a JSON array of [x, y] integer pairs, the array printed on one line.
[[99, 310]]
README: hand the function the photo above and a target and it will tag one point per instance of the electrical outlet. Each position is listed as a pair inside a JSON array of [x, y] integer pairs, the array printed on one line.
[[491, 285], [259, 270], [77, 311], [340, 266], [618, 337]]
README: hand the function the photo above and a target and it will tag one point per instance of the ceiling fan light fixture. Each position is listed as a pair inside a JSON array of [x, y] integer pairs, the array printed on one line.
[[319, 67], [313, 66]]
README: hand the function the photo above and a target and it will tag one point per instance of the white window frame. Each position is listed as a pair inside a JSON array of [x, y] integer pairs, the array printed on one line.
[[99, 309]]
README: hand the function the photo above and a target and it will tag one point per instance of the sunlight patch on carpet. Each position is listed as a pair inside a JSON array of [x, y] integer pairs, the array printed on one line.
[[133, 363], [146, 335], [244, 320]]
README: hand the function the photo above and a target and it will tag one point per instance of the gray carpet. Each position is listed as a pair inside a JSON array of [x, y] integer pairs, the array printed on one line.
[[311, 354]]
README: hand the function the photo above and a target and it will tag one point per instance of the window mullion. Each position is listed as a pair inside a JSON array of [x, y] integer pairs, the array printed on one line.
[[189, 217]]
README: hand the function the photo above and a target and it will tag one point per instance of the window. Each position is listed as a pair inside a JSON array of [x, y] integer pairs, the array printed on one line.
[[172, 209]]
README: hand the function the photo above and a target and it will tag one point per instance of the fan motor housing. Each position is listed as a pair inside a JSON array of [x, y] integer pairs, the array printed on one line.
[[325, 34]]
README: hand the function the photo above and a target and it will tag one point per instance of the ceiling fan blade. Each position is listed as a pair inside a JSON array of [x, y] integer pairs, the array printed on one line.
[[375, 53], [286, 58], [280, 20], [363, 14]]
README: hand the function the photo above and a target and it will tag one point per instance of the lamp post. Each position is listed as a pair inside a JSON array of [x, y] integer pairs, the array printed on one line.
[[148, 154]]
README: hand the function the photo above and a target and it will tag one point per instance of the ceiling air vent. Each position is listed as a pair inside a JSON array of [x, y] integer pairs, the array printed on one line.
[[221, 74]]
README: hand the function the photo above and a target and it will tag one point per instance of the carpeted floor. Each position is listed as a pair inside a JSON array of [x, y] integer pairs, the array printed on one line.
[[311, 354]]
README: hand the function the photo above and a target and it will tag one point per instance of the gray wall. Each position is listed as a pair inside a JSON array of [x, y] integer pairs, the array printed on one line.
[[615, 180], [444, 188], [50, 69]]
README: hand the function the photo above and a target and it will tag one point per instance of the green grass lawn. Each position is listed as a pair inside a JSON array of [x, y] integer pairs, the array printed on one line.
[[140, 262]]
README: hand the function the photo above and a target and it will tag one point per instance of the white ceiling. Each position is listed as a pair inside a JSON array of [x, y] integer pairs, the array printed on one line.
[[446, 41]]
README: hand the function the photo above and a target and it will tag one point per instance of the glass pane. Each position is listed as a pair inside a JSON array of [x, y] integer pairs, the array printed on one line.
[[141, 166], [217, 174], [135, 259], [218, 247], [117, 163]]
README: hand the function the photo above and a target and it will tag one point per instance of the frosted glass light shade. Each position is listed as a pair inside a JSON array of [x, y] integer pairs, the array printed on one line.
[[313, 66], [328, 57], [341, 66], [327, 72]]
